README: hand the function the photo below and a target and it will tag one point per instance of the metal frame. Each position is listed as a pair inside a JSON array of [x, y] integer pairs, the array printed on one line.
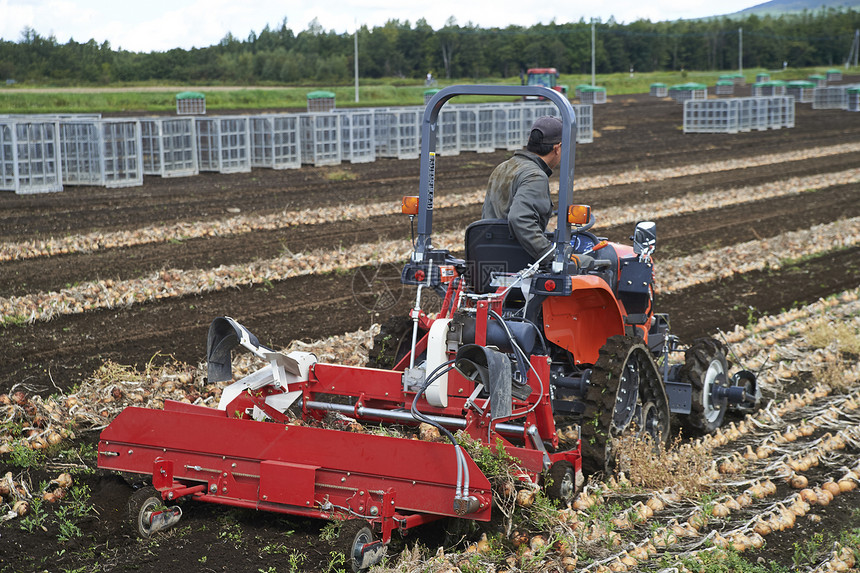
[[832, 97], [427, 173], [320, 138], [29, 157], [169, 147], [275, 141], [101, 152], [731, 115], [224, 143]]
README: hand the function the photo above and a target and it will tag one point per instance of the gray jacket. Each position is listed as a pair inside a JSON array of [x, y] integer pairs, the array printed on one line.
[[518, 190]]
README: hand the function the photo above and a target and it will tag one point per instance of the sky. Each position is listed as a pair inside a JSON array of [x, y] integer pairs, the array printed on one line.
[[160, 25]]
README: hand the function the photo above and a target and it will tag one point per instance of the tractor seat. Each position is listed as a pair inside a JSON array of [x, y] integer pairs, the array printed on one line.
[[492, 248]]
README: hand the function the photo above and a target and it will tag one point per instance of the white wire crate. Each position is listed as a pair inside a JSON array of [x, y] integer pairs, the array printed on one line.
[[467, 118], [357, 145], [275, 142], [832, 97], [122, 153], [508, 127], [81, 153], [224, 144], [766, 89], [486, 128], [781, 112], [102, 152], [29, 161], [168, 147], [853, 96], [724, 87], [711, 116], [320, 138], [398, 132], [584, 119], [448, 132], [584, 122], [801, 91], [689, 91], [594, 96], [658, 90], [733, 115]]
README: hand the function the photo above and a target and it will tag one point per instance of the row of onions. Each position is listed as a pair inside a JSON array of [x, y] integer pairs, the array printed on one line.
[[675, 274]]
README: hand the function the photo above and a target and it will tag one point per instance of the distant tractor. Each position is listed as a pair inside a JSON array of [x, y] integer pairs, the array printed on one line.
[[546, 77]]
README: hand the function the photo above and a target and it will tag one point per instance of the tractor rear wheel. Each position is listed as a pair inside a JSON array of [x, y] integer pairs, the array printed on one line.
[[625, 397], [705, 367], [393, 342]]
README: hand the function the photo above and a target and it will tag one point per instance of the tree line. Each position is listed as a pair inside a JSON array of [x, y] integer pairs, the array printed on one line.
[[403, 50]]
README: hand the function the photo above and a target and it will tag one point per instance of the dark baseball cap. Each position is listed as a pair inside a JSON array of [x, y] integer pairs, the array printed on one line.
[[550, 127]]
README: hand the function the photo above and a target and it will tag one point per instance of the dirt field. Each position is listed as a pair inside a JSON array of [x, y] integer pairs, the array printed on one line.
[[633, 134]]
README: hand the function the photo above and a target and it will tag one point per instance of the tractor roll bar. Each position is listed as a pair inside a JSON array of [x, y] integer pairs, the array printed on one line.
[[428, 160]]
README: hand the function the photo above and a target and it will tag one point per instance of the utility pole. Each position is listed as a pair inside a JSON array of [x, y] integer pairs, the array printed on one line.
[[856, 46], [593, 82], [741, 50], [855, 50], [356, 62]]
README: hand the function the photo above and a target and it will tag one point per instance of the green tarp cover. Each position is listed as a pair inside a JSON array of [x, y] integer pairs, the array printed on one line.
[[320, 94]]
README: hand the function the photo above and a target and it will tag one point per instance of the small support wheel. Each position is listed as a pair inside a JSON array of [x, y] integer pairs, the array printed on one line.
[[141, 505], [357, 543], [561, 482]]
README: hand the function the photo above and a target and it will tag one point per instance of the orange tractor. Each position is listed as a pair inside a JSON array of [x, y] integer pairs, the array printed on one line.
[[552, 360]]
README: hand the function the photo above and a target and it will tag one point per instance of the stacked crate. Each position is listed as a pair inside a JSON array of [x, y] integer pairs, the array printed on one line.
[[658, 89], [724, 87], [801, 90], [831, 97], [732, 115], [769, 88], [190, 103], [320, 101], [593, 95], [689, 91], [853, 97]]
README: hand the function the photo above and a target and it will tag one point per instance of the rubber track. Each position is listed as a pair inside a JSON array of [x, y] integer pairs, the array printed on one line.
[[600, 398]]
